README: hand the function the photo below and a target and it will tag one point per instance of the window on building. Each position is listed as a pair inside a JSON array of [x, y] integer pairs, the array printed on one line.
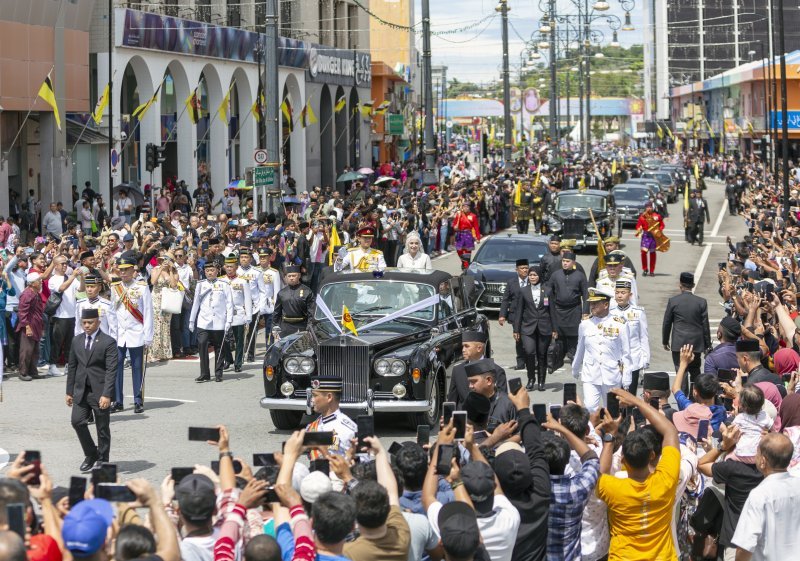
[[286, 19], [261, 15], [352, 25], [171, 8], [203, 10], [234, 15]]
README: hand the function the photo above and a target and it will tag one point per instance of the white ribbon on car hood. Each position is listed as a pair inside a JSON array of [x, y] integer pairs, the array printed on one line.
[[427, 302], [321, 305]]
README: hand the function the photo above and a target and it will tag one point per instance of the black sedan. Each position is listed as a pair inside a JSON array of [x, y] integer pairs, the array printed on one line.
[[570, 216], [630, 200], [494, 264], [409, 328]]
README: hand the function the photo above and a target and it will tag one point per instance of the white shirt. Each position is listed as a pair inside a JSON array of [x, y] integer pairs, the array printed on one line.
[[67, 308], [768, 525], [636, 320], [498, 531], [423, 538], [602, 356], [212, 308], [420, 261], [130, 331], [595, 538]]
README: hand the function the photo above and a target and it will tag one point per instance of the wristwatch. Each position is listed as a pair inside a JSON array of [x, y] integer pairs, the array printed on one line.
[[720, 448], [608, 437]]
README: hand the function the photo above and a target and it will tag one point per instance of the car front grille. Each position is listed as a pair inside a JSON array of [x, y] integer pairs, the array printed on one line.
[[572, 228], [350, 362], [494, 288]]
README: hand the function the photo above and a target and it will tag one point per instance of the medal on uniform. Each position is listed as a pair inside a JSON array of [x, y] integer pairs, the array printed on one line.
[[301, 293]]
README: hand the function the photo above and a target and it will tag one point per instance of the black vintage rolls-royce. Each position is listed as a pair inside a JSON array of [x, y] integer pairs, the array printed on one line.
[[409, 326], [570, 218]]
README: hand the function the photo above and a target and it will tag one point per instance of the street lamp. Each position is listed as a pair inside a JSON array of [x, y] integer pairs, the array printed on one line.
[[600, 6], [627, 26], [615, 40], [545, 27]]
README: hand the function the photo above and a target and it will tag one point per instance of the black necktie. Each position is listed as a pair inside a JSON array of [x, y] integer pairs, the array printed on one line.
[[88, 342]]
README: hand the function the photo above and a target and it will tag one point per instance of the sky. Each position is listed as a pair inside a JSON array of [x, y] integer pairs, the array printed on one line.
[[475, 54]]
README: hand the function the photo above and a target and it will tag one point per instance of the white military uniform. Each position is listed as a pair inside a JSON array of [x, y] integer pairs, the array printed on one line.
[[606, 283], [108, 318], [359, 260], [240, 299], [131, 332], [602, 358], [212, 308], [342, 426], [251, 275], [636, 320], [269, 284]]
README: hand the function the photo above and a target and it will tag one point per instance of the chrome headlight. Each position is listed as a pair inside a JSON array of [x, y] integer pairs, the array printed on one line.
[[398, 368], [306, 366], [287, 389], [554, 223], [382, 367], [590, 227], [292, 365]]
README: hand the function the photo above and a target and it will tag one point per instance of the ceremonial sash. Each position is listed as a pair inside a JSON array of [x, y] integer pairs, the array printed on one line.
[[132, 310]]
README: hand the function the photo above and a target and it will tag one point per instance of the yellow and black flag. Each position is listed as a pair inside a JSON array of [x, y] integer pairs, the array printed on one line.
[[347, 321], [286, 109], [258, 106], [340, 104], [382, 108], [102, 103], [48, 94], [365, 108], [142, 109], [194, 107], [307, 116]]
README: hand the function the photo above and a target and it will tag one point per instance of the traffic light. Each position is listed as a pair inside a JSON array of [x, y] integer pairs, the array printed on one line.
[[150, 158], [160, 157]]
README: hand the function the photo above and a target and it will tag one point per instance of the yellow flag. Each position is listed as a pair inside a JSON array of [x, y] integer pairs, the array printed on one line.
[[696, 172], [347, 321], [101, 106], [365, 108], [518, 194], [601, 253], [660, 132], [340, 104], [669, 133], [286, 109], [538, 175], [48, 94], [142, 109], [193, 107], [307, 116], [333, 242], [223, 107], [614, 168], [686, 196]]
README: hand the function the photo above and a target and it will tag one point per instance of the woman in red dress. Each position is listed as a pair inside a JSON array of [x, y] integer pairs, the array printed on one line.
[[467, 229], [643, 226]]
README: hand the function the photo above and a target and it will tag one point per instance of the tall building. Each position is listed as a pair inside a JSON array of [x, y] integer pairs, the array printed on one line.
[[199, 61], [692, 40], [41, 38], [394, 79]]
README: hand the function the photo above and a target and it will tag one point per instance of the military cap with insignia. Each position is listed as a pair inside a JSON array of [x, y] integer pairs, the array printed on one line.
[[92, 279], [479, 367], [611, 239], [210, 264], [326, 384], [625, 284], [613, 258], [367, 231], [127, 259], [232, 259], [90, 313], [599, 295], [264, 252]]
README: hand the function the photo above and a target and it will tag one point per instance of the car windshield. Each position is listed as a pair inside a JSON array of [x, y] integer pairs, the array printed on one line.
[[377, 298], [504, 251], [581, 202], [632, 194]]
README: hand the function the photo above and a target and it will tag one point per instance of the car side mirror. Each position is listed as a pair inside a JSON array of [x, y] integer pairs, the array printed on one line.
[[434, 332]]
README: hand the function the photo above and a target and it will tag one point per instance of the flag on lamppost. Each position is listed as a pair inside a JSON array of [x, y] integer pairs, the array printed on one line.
[[307, 116], [340, 104], [223, 107], [48, 94], [194, 107], [142, 109], [258, 105]]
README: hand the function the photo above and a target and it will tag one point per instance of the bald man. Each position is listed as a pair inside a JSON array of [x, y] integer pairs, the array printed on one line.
[[763, 530]]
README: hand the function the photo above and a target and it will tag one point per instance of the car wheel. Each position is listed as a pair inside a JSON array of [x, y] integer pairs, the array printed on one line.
[[286, 420], [430, 417]]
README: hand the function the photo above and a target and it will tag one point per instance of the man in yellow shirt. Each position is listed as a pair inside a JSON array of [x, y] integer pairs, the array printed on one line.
[[640, 506]]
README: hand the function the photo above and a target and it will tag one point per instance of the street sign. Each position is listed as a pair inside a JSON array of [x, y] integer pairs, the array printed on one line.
[[260, 157], [395, 124], [263, 176]]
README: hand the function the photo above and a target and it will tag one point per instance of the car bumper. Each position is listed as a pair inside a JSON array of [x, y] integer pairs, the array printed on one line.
[[369, 405]]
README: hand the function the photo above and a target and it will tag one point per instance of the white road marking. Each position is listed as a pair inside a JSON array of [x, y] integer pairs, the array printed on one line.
[[146, 397], [698, 271], [720, 216]]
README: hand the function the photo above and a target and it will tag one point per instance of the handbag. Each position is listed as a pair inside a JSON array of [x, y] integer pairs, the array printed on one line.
[[555, 355], [171, 300], [53, 303]]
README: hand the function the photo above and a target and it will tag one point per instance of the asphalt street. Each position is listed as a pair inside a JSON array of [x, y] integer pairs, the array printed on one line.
[[34, 415]]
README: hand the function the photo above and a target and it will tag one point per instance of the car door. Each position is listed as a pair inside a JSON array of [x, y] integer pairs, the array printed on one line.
[[451, 311]]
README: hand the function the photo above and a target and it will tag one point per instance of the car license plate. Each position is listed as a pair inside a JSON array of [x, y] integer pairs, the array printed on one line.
[[495, 299]]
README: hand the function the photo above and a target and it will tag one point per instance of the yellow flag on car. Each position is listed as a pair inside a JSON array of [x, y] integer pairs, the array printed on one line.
[[347, 321]]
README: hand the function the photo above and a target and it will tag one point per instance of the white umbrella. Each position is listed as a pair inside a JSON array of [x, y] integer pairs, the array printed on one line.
[[366, 171], [383, 179]]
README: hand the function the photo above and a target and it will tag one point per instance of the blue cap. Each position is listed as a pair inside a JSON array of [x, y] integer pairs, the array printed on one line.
[[127, 238], [86, 525]]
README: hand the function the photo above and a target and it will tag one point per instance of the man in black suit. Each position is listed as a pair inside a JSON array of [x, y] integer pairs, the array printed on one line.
[[748, 355], [698, 209], [533, 326], [686, 318], [510, 304], [473, 347], [91, 374]]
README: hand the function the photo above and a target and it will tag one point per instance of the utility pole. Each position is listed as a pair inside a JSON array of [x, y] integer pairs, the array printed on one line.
[[784, 114], [508, 141], [553, 87], [272, 141], [588, 71], [429, 176]]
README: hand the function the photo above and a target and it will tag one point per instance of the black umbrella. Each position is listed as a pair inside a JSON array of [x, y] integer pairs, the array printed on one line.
[[133, 191]]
